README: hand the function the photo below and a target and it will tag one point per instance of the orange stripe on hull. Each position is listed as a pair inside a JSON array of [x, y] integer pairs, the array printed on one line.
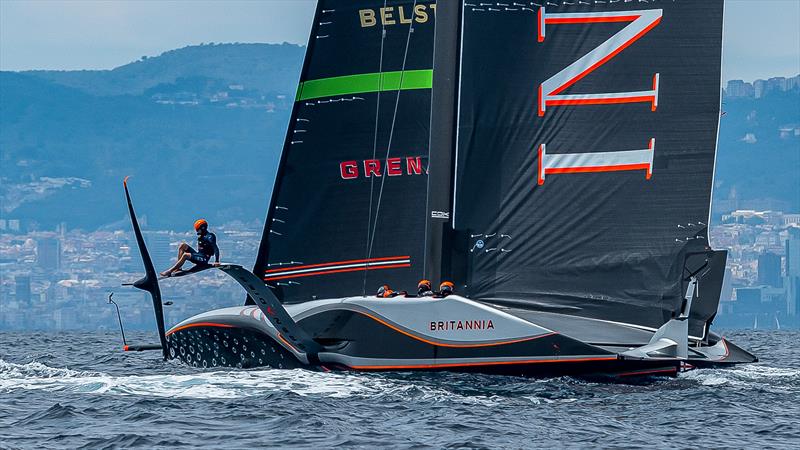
[[199, 324], [486, 363], [280, 336]]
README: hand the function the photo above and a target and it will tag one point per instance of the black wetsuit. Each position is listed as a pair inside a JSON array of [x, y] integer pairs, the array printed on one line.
[[207, 243]]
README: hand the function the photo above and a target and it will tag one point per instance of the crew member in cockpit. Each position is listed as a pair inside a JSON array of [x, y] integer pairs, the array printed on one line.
[[445, 289], [386, 292], [424, 289]]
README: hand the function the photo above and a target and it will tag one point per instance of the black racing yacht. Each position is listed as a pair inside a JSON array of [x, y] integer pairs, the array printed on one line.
[[554, 160]]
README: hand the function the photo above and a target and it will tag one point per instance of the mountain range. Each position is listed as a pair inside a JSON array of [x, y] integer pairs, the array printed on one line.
[[200, 131]]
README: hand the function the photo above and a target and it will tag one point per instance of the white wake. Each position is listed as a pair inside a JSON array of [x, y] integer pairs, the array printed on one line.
[[750, 375], [218, 384]]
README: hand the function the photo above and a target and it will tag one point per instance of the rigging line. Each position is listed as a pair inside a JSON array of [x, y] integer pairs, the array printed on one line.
[[375, 145], [391, 131]]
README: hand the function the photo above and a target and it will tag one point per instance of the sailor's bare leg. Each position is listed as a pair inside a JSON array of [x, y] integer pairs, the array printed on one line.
[[182, 249], [183, 256], [178, 265]]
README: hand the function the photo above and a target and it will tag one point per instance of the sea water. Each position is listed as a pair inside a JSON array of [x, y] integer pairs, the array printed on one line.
[[79, 390]]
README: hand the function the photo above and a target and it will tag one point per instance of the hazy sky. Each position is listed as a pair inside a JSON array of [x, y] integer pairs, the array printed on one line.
[[762, 37]]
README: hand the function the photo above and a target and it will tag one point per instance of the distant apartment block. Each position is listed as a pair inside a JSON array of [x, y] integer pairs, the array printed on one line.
[[738, 88], [48, 254], [22, 289], [760, 88], [769, 270]]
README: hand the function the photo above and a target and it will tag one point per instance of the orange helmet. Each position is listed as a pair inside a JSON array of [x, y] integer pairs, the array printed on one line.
[[200, 223], [446, 288], [424, 283]]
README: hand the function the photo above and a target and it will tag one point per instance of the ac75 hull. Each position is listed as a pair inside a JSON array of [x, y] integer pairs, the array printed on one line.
[[421, 334]]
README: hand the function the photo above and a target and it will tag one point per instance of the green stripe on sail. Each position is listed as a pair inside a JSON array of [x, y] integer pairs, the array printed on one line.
[[366, 82]]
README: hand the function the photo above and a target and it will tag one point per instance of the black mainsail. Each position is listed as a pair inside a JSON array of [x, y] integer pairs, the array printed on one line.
[[586, 155]]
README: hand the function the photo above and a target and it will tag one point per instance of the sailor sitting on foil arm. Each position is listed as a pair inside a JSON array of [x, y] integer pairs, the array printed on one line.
[[207, 245]]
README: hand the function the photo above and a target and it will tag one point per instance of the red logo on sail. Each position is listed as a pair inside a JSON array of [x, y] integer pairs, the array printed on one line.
[[392, 167]]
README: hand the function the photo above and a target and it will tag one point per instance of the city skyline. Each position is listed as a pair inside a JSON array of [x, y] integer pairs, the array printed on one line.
[[60, 279]]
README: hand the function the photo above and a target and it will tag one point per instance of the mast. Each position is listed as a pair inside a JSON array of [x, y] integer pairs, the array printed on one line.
[[441, 150]]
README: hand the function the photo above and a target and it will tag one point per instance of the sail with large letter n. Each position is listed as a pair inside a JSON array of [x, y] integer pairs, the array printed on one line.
[[587, 139]]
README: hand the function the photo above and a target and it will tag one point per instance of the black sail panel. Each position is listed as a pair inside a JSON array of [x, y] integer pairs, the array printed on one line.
[[348, 208], [587, 138]]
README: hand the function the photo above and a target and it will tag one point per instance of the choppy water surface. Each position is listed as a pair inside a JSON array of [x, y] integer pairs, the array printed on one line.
[[78, 390]]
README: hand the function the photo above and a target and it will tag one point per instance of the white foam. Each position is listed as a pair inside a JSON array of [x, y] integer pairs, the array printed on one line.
[[748, 375], [219, 384]]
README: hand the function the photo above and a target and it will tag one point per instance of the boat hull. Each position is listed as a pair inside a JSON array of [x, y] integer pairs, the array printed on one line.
[[413, 334], [212, 346]]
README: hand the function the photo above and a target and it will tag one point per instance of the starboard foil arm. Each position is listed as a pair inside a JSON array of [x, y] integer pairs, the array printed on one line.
[[149, 282], [273, 310]]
